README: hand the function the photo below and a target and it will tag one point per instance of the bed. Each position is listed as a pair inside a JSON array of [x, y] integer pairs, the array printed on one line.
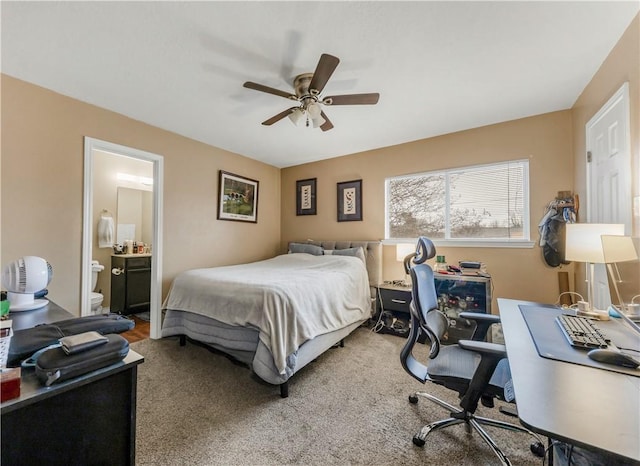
[[279, 314]]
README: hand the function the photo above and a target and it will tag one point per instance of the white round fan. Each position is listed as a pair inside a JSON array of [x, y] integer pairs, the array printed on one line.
[[23, 278]]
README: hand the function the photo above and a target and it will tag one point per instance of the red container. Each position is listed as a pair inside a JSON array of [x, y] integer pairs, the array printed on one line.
[[9, 383]]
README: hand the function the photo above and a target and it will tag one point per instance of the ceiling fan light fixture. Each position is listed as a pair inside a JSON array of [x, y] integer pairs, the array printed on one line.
[[314, 110], [315, 115], [296, 116], [318, 122]]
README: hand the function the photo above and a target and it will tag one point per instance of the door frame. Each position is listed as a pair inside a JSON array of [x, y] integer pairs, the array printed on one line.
[[91, 145]]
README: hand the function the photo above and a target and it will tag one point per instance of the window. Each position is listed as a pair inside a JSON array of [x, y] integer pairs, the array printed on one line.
[[470, 204]]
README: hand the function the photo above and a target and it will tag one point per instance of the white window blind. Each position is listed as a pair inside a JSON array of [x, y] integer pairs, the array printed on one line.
[[478, 203]]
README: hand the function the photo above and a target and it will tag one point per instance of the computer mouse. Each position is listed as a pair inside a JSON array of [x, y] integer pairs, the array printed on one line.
[[608, 356]]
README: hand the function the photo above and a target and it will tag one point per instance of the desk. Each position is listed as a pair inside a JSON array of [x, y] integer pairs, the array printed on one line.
[[592, 408], [90, 419], [47, 314]]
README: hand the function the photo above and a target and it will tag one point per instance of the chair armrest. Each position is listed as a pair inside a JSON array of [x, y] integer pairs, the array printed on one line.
[[482, 347], [481, 316], [483, 322]]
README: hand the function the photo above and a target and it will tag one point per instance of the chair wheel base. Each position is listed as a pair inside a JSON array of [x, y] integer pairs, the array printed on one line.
[[418, 441], [413, 399], [537, 448]]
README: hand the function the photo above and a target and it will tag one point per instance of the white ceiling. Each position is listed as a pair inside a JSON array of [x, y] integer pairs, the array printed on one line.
[[439, 67]]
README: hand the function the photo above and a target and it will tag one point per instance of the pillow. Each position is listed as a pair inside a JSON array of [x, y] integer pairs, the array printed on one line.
[[356, 252], [306, 248]]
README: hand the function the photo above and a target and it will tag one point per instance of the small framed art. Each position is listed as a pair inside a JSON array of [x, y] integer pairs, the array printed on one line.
[[306, 197], [237, 198], [350, 201]]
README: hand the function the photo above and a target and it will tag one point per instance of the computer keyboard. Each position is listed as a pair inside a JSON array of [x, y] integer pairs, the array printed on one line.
[[582, 332]]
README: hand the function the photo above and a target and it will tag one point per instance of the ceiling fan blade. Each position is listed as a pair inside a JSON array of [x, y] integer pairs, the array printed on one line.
[[327, 125], [352, 99], [269, 90], [325, 68], [278, 117]]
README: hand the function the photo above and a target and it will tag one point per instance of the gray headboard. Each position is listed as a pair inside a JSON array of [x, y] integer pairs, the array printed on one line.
[[372, 250]]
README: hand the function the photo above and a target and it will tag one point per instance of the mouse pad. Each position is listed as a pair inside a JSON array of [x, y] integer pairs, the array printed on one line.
[[552, 344]]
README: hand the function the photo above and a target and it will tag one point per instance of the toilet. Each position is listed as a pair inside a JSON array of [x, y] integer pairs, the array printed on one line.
[[96, 298]]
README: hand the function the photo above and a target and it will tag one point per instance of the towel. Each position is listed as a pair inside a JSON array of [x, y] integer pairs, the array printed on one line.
[[105, 232]]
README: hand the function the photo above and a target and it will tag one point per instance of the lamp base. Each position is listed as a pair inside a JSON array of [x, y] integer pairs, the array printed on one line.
[[584, 310]]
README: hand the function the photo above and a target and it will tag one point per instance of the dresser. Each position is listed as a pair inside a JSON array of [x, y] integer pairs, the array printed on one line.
[[90, 419]]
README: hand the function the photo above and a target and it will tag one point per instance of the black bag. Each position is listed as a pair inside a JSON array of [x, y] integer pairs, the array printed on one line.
[[55, 365], [26, 342]]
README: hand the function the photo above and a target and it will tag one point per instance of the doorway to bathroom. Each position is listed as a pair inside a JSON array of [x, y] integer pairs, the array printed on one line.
[[122, 208]]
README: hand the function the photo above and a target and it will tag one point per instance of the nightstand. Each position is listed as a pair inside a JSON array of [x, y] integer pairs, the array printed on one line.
[[393, 302]]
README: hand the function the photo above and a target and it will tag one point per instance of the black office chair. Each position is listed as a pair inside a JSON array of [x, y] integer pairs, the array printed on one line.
[[477, 370]]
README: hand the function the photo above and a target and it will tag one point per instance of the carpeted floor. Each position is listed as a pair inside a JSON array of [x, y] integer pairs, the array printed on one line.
[[349, 407]]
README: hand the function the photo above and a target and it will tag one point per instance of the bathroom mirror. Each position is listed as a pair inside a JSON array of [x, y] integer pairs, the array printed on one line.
[[134, 217]]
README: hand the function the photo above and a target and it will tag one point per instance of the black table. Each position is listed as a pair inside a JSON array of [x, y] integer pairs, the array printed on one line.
[[50, 313], [592, 408], [87, 420]]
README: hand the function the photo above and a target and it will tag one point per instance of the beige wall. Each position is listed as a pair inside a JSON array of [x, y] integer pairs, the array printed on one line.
[[42, 189], [517, 273], [622, 65]]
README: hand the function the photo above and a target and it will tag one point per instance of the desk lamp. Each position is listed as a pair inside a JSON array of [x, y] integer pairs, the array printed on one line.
[[618, 249], [402, 251], [583, 243]]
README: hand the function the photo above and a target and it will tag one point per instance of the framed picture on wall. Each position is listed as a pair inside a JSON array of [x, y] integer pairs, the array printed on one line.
[[237, 198], [306, 197], [350, 201]]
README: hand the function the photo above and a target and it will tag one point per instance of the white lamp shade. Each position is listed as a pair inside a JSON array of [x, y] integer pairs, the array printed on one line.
[[583, 242], [618, 249], [296, 116], [317, 122], [403, 250], [314, 110]]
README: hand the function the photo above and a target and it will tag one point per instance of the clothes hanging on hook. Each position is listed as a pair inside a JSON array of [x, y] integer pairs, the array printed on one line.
[[552, 231], [105, 230]]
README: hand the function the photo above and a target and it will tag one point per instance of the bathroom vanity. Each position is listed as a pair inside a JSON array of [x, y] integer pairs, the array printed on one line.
[[130, 283]]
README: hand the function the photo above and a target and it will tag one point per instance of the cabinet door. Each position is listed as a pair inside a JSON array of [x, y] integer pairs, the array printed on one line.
[[458, 294], [138, 289], [118, 287]]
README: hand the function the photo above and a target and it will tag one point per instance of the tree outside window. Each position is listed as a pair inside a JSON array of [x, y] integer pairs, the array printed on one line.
[[479, 202]]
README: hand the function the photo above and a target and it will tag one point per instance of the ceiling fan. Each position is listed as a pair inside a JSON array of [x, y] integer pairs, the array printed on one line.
[[308, 87]]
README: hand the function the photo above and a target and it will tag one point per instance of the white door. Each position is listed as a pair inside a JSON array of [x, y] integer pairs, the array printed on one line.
[[608, 176]]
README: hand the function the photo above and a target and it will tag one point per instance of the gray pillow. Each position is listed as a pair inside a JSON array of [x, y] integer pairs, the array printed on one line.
[[306, 248], [356, 252]]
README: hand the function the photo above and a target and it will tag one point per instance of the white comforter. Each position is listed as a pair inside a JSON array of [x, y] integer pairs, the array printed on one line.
[[290, 298]]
